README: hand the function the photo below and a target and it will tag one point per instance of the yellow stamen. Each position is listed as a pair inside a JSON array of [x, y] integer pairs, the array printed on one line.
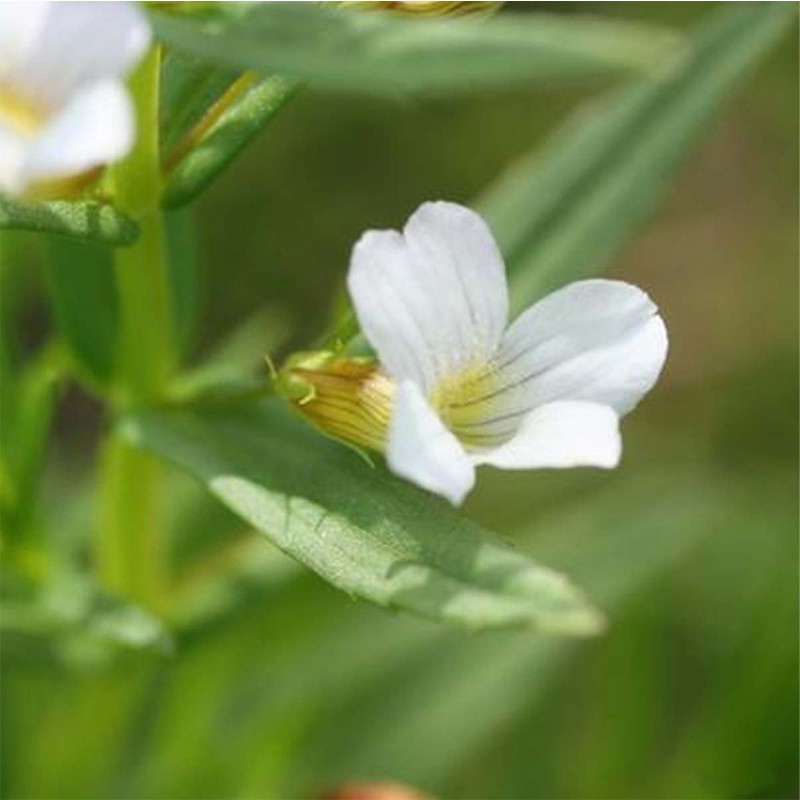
[[20, 113], [463, 402]]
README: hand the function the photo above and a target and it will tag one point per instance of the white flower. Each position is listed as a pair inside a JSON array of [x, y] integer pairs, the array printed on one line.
[[63, 106], [545, 392]]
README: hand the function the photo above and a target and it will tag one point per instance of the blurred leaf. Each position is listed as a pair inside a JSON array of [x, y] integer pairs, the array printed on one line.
[[8, 414], [189, 87], [74, 622], [80, 279], [25, 442], [182, 248], [417, 724], [236, 364], [361, 529], [88, 220], [563, 213], [295, 647], [225, 137], [347, 50]]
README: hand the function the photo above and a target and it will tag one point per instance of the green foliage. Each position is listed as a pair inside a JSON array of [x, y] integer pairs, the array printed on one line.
[[562, 213], [184, 275], [87, 220], [81, 282], [225, 137], [26, 424], [80, 278], [209, 113], [189, 87], [366, 532], [343, 50], [498, 679], [257, 679], [75, 623]]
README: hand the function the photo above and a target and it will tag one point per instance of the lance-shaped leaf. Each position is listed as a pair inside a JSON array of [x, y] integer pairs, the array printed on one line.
[[345, 49], [563, 212], [89, 220], [75, 622], [80, 280], [24, 440], [183, 270], [363, 530], [245, 108], [189, 87]]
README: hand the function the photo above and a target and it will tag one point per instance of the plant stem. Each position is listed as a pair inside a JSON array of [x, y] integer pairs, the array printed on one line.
[[131, 544], [131, 548], [146, 348]]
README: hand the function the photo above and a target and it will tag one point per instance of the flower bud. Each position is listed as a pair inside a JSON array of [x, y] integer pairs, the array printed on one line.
[[375, 790], [346, 398], [431, 9]]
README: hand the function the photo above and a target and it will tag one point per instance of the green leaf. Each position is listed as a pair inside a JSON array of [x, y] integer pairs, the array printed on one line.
[[236, 362], [80, 279], [189, 87], [345, 49], [562, 213], [227, 135], [89, 220], [182, 248], [653, 524], [74, 621], [26, 418], [9, 408], [37, 394], [363, 530]]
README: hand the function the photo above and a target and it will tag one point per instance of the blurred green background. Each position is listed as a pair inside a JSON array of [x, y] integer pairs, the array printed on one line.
[[280, 686]]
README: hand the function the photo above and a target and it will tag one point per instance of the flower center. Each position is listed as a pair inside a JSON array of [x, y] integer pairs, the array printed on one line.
[[24, 116], [463, 402]]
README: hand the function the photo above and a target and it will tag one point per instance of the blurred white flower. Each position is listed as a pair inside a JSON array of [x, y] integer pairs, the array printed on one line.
[[64, 108], [546, 392]]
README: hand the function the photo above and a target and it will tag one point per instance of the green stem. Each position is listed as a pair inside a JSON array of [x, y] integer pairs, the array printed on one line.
[[131, 544], [146, 347], [131, 548]]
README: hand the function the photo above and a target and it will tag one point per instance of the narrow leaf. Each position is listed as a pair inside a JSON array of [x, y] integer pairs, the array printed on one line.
[[500, 679], [182, 248], [189, 87], [225, 137], [563, 212], [75, 622], [80, 280], [37, 395], [346, 49], [80, 220], [361, 529]]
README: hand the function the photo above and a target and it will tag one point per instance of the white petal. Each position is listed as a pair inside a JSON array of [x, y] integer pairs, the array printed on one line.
[[62, 47], [13, 149], [21, 26], [596, 340], [434, 299], [97, 127], [423, 451], [568, 433]]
